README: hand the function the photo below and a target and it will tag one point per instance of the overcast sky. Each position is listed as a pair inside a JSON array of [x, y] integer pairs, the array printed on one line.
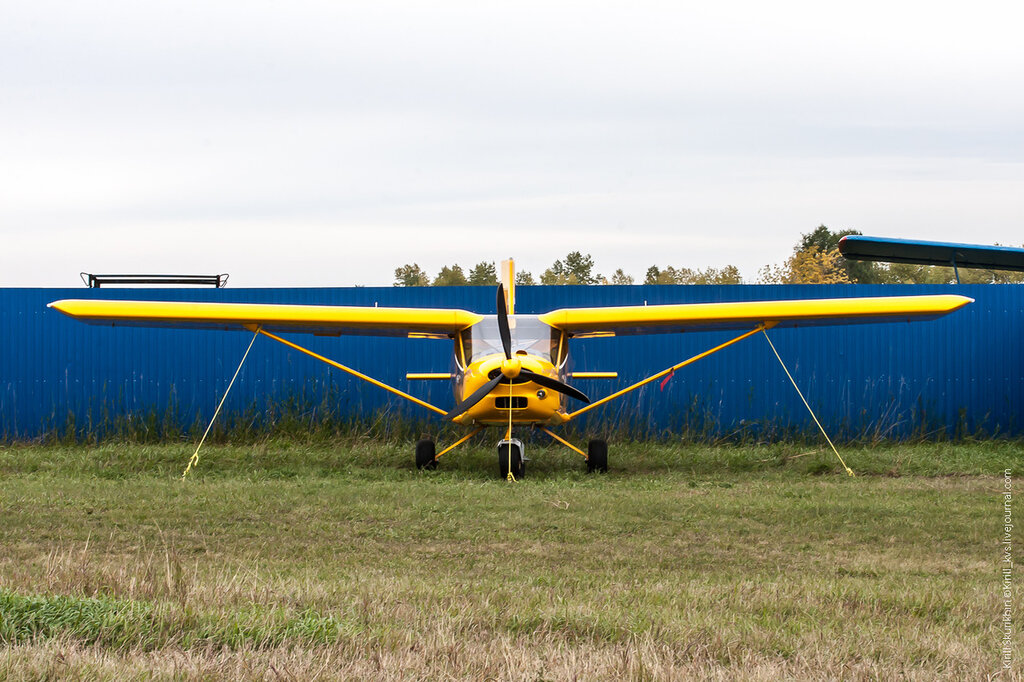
[[325, 143]]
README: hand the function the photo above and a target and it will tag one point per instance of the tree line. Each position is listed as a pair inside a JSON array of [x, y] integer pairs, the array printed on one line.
[[815, 260]]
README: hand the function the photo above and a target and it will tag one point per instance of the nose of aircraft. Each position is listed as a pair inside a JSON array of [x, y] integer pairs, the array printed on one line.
[[511, 367]]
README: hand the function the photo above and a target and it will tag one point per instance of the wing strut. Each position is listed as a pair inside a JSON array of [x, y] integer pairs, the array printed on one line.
[[458, 442], [564, 442], [351, 371], [195, 455], [759, 328], [806, 404]]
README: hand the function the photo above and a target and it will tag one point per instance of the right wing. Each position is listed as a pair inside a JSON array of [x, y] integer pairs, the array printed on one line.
[[685, 317], [323, 320]]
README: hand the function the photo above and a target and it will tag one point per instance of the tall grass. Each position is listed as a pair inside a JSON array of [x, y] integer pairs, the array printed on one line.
[[309, 416]]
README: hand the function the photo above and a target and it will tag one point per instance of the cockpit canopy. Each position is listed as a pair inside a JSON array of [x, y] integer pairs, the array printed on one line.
[[529, 335]]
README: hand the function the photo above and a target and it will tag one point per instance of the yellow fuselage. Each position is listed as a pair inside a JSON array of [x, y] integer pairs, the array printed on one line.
[[528, 402]]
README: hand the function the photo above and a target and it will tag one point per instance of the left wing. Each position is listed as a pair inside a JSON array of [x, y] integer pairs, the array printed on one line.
[[748, 314], [314, 319]]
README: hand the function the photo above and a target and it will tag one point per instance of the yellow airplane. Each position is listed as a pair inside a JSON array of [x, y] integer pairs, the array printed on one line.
[[511, 369]]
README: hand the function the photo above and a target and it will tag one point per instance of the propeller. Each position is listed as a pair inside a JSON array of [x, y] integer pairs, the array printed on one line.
[[503, 329], [476, 397], [554, 385], [512, 368]]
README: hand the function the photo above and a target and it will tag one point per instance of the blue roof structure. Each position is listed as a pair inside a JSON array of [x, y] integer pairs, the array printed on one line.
[[859, 247]]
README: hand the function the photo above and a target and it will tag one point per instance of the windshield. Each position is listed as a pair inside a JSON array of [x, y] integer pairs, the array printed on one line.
[[529, 334]]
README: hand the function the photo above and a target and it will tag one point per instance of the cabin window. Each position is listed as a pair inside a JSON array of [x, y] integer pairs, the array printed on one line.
[[529, 335]]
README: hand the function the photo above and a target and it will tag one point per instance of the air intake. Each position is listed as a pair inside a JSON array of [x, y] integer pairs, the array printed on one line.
[[518, 402]]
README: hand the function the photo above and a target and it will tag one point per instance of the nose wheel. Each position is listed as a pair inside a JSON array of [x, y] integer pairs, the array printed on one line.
[[511, 459]]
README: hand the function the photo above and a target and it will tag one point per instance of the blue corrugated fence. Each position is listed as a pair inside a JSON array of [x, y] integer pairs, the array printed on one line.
[[961, 375]]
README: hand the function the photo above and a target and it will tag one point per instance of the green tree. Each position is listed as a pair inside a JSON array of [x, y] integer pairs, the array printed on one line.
[[859, 272], [483, 274], [807, 266], [822, 237], [525, 278], [621, 277], [575, 269], [582, 267], [411, 275], [728, 274], [451, 276], [555, 275], [670, 275]]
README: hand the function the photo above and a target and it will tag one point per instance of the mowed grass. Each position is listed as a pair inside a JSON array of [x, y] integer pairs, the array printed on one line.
[[301, 561]]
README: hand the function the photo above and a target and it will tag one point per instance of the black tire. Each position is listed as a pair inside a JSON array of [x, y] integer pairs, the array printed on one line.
[[425, 451], [597, 456], [518, 466]]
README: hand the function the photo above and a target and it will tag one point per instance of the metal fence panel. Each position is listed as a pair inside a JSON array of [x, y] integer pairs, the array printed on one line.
[[961, 375]]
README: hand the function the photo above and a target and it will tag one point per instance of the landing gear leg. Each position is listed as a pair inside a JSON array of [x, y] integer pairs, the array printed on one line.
[[597, 456], [425, 451]]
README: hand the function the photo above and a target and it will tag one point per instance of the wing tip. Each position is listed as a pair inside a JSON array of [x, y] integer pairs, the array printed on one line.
[[962, 301], [64, 305]]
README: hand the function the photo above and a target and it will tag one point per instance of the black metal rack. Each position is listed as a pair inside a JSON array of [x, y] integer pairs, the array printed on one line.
[[96, 281]]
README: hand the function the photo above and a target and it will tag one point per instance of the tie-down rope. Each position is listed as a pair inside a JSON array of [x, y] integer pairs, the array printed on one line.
[[195, 455], [792, 381]]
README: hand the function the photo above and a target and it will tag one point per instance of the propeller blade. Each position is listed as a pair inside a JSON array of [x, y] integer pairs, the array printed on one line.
[[554, 385], [476, 397], [506, 334]]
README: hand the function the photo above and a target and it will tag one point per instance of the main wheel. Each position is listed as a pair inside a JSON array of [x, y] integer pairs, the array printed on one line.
[[517, 466], [597, 456], [425, 451]]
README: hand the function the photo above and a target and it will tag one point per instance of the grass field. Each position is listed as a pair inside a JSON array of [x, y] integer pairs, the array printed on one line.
[[289, 561]]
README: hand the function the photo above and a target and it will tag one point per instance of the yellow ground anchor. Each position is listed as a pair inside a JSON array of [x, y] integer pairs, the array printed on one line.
[[806, 404], [195, 455]]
